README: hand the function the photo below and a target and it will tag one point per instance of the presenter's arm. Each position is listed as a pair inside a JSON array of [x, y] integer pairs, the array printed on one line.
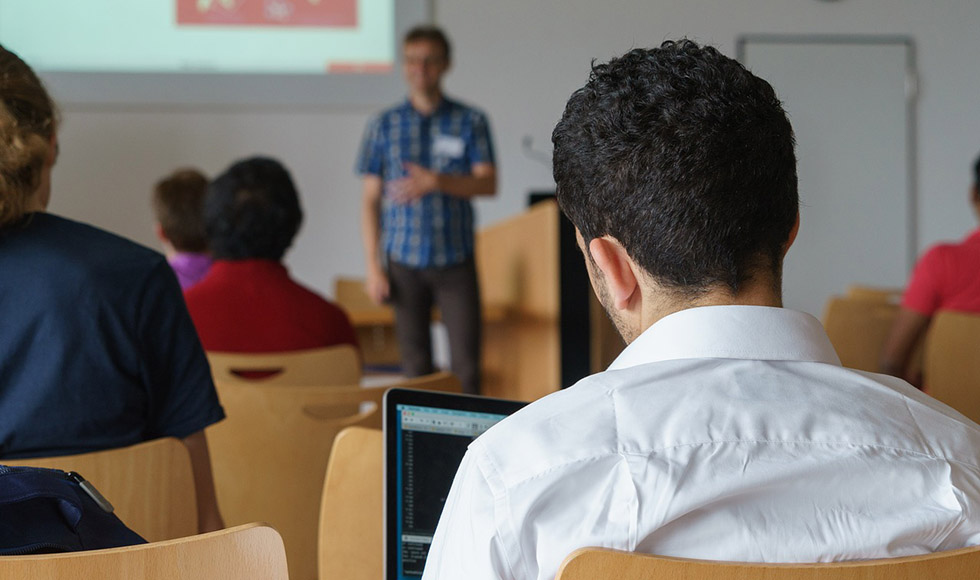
[[376, 284], [208, 516], [907, 330], [419, 181]]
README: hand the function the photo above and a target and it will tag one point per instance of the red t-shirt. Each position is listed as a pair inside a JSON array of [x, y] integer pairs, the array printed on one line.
[[947, 277], [254, 306]]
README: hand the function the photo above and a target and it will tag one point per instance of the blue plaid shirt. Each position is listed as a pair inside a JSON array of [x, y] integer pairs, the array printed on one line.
[[437, 229]]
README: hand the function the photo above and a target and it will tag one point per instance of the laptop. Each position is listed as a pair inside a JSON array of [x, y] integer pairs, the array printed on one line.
[[426, 434]]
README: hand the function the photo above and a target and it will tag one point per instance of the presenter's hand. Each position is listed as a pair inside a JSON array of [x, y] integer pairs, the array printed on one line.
[[377, 286], [417, 182]]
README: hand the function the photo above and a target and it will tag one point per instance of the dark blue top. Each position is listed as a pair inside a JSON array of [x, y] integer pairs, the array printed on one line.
[[96, 347], [435, 230]]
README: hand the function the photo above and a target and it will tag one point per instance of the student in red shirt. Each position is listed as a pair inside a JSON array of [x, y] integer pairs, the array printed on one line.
[[248, 302], [947, 277]]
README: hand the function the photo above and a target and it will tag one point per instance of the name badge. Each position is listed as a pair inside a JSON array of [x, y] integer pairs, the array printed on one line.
[[448, 146]]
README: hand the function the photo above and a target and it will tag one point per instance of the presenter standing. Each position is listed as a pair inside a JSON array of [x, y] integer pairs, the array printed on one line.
[[421, 163]]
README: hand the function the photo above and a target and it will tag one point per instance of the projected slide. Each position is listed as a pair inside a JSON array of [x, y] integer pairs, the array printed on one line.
[[208, 36], [268, 12]]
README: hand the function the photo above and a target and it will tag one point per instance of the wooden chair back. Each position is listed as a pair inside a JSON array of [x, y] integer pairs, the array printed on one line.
[[250, 552], [332, 365], [599, 564], [859, 292], [351, 525], [350, 293], [858, 328], [952, 361], [270, 454], [150, 484]]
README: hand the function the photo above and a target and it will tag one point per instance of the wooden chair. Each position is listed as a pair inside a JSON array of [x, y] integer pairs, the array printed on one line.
[[250, 552], [270, 455], [333, 365], [890, 295], [151, 485], [858, 328], [599, 564], [351, 525], [952, 361]]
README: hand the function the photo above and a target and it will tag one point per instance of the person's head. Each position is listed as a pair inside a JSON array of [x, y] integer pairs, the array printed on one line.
[[426, 57], [681, 161], [28, 120], [252, 211], [178, 202]]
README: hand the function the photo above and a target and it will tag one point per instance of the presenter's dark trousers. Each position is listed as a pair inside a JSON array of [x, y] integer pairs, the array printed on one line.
[[454, 289]]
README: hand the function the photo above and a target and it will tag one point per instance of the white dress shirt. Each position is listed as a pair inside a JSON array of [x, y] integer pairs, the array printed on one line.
[[725, 433]]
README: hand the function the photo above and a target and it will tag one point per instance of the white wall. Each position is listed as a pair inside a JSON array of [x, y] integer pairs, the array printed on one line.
[[518, 60]]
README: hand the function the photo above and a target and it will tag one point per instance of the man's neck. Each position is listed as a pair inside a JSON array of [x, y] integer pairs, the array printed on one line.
[[426, 102], [659, 303]]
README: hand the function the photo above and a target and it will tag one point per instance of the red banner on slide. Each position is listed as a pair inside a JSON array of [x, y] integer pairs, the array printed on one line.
[[316, 13]]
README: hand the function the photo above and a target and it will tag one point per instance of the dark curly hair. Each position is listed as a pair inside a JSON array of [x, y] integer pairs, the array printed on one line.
[[687, 159], [252, 211]]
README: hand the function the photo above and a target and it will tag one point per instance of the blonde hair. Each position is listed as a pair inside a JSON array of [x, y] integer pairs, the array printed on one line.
[[27, 125]]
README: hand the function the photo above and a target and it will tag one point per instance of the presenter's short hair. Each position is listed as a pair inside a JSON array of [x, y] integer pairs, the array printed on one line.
[[252, 211], [687, 159], [432, 34], [178, 202]]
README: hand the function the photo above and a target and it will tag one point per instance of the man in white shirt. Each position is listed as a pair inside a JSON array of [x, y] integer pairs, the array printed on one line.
[[727, 429]]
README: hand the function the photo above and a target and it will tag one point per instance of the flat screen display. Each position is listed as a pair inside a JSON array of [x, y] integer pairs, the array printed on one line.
[[425, 443]]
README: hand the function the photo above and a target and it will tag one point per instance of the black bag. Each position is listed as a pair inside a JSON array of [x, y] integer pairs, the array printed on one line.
[[49, 510]]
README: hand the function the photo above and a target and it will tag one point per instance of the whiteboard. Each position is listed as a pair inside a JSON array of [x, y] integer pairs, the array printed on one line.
[[852, 109]]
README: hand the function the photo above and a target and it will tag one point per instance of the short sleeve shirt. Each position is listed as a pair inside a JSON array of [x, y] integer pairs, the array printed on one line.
[[437, 229], [947, 277], [97, 349]]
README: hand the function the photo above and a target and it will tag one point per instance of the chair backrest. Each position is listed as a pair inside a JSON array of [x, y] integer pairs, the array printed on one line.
[[952, 366], [351, 525], [858, 328], [270, 454], [250, 552], [599, 564], [350, 293], [890, 295], [150, 484], [333, 365]]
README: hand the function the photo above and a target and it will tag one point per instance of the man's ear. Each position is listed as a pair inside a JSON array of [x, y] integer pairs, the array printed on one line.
[[158, 230], [617, 269], [792, 234]]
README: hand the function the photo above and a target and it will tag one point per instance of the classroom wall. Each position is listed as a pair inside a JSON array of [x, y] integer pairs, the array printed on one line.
[[519, 61]]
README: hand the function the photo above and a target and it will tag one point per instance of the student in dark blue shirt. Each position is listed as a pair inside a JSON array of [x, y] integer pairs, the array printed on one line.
[[96, 347]]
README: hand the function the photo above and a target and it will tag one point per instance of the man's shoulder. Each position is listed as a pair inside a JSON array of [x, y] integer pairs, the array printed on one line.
[[561, 428], [78, 247], [456, 106]]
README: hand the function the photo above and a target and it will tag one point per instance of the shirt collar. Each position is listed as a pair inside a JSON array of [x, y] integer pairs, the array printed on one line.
[[973, 238], [733, 332], [444, 105]]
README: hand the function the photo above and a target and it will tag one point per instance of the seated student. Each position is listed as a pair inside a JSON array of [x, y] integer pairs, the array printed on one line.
[[178, 203], [727, 429], [947, 277], [248, 302], [96, 348]]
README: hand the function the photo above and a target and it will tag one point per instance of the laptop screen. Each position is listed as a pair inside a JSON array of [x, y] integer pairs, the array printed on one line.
[[426, 438]]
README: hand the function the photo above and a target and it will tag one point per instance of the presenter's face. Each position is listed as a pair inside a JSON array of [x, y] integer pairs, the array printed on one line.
[[424, 65]]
